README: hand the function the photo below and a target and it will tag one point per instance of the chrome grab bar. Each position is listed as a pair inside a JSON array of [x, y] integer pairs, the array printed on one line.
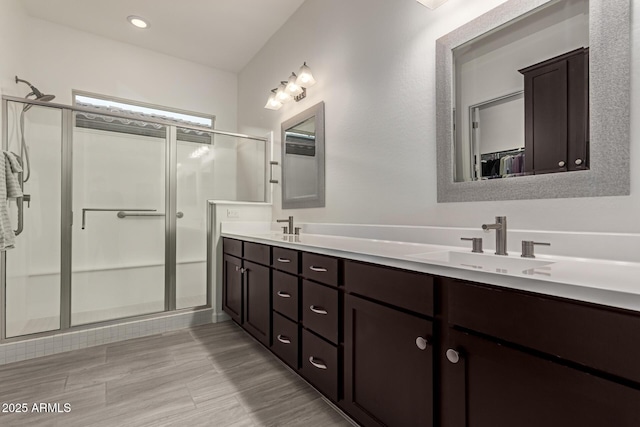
[[123, 214], [85, 210]]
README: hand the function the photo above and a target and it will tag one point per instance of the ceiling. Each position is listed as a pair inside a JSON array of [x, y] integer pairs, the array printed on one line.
[[223, 34]]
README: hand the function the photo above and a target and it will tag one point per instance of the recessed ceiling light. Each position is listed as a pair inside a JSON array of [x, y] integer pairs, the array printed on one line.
[[137, 21]]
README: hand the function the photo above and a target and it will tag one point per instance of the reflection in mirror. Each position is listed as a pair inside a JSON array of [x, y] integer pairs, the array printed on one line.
[[594, 143], [521, 96], [303, 159]]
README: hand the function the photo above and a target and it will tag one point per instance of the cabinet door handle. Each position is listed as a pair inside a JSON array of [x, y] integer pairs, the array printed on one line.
[[237, 268], [283, 339], [318, 269], [318, 310], [422, 343], [578, 162], [283, 294], [318, 365], [453, 356], [561, 163], [284, 260]]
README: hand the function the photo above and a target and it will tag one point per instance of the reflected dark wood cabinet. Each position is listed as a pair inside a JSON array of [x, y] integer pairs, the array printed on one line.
[[392, 347], [556, 104]]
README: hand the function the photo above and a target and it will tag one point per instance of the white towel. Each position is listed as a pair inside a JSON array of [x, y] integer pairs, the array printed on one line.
[[9, 188]]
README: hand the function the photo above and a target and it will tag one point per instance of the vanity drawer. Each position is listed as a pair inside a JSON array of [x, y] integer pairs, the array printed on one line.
[[257, 253], [285, 340], [319, 364], [285, 260], [320, 268], [405, 289], [598, 337], [285, 294], [320, 310], [232, 247]]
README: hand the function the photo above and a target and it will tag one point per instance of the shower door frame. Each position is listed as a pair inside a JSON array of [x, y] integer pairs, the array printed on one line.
[[66, 222]]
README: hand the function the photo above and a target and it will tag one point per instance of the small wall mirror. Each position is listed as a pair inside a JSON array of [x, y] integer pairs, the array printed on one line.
[[303, 159], [530, 89]]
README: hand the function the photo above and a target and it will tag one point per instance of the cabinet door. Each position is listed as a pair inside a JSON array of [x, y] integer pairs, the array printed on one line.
[[257, 304], [546, 118], [388, 377], [493, 385], [232, 288]]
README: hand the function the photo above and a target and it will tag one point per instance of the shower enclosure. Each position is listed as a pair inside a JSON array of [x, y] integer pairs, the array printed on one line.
[[113, 223]]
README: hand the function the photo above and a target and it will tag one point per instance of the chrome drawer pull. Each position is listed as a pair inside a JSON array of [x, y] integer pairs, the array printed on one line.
[[422, 343], [316, 364], [453, 356], [283, 294], [283, 339], [318, 269], [318, 310], [285, 260]]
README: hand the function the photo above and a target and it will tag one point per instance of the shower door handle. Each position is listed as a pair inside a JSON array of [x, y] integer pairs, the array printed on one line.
[[123, 214]]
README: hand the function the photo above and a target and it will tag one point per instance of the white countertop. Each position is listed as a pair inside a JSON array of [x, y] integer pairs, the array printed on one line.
[[612, 283]]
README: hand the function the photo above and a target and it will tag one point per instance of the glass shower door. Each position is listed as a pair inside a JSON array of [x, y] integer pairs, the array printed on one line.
[[118, 250], [33, 265]]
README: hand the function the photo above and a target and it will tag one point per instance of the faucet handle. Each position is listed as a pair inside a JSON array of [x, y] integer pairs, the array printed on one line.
[[527, 248], [477, 243], [296, 230], [285, 230]]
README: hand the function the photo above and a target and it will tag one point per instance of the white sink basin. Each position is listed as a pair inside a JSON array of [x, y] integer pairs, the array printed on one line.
[[486, 262]]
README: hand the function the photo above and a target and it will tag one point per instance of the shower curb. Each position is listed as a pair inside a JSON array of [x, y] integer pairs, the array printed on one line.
[[69, 341]]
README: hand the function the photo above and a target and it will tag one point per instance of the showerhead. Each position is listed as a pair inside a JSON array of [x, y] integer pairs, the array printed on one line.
[[35, 92]]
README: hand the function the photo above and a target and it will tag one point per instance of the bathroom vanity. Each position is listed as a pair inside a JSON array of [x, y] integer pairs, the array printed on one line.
[[413, 341]]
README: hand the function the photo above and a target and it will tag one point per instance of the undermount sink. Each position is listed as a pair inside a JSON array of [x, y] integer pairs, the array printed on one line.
[[485, 262]]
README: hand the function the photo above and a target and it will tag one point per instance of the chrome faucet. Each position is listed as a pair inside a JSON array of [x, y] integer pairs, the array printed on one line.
[[501, 234], [289, 229]]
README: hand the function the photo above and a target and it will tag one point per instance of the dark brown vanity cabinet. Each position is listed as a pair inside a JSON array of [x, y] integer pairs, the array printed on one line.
[[515, 358], [388, 362], [285, 294], [320, 314], [556, 97], [246, 292], [232, 289], [392, 347]]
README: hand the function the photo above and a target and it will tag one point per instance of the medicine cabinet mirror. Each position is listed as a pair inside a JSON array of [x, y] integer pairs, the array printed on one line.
[[531, 89], [303, 159]]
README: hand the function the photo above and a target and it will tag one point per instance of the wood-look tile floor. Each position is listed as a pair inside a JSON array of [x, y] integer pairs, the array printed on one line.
[[210, 375]]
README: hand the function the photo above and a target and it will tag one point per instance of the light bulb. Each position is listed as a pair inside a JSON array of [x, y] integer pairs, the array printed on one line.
[[305, 77], [282, 95], [292, 88], [273, 103]]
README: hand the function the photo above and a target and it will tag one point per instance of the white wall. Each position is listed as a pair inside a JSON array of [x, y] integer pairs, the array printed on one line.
[[12, 29], [58, 59], [375, 65]]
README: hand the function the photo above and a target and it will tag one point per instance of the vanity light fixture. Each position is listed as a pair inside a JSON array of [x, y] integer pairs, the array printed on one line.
[[138, 21], [432, 4], [294, 88]]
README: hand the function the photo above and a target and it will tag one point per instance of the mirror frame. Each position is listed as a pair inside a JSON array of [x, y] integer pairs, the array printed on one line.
[[609, 110], [315, 201]]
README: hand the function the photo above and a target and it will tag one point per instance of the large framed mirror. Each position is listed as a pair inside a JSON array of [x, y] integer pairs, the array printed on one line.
[[303, 159], [533, 102]]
